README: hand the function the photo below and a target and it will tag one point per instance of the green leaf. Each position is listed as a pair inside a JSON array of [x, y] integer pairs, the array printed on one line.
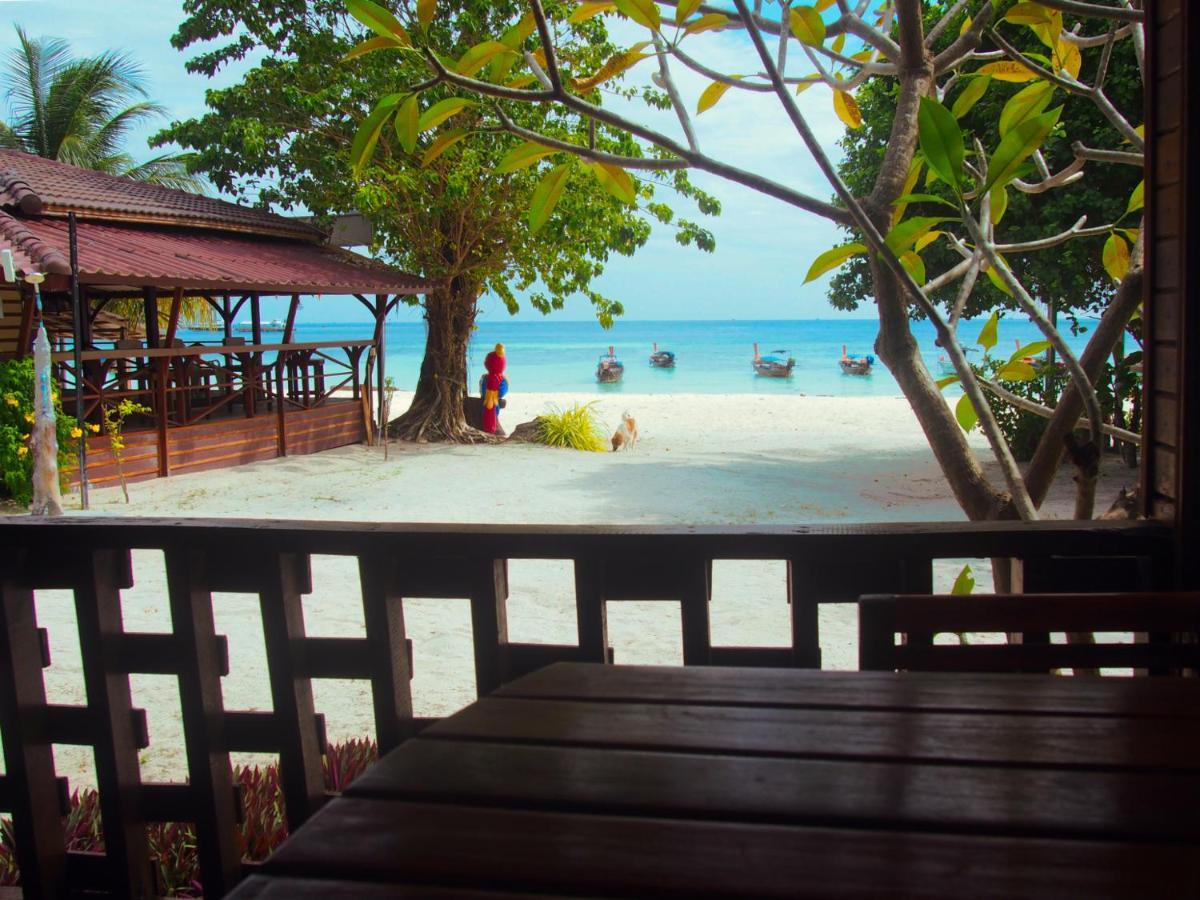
[[831, 259], [480, 55], [586, 11], [965, 413], [1035, 348], [999, 196], [970, 95], [808, 26], [924, 198], [615, 180], [368, 133], [987, 337], [944, 383], [914, 265], [1137, 199], [707, 22], [1116, 257], [444, 142], [443, 110], [523, 156], [425, 12], [545, 197], [406, 123], [964, 584], [997, 282], [1025, 104], [1017, 371], [371, 45], [378, 19], [644, 12], [941, 142], [1018, 145], [904, 235], [711, 96], [685, 9], [926, 239]]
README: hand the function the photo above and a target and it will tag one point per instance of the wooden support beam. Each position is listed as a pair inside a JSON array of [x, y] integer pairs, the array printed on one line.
[[290, 328], [256, 318], [28, 313], [150, 299], [173, 321], [227, 316]]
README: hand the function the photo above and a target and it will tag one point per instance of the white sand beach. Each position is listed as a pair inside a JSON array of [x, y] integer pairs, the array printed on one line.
[[702, 459]]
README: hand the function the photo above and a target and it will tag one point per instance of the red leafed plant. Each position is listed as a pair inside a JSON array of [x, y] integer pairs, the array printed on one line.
[[173, 844]]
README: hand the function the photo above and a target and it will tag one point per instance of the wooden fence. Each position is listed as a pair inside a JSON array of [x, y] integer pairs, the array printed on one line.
[[92, 558]]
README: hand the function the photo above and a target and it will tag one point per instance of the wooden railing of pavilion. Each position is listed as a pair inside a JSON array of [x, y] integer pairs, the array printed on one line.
[[92, 558], [206, 383]]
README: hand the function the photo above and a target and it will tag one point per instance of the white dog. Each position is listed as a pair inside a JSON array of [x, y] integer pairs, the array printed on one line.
[[626, 435]]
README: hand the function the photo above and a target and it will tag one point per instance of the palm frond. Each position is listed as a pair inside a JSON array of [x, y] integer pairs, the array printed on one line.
[[29, 70], [168, 170], [111, 133]]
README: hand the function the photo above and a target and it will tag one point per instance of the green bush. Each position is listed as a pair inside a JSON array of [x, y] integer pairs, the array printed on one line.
[[576, 427], [16, 425]]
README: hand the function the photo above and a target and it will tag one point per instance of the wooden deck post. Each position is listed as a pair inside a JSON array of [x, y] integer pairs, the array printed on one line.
[[381, 306], [280, 417], [161, 370], [290, 328], [227, 316]]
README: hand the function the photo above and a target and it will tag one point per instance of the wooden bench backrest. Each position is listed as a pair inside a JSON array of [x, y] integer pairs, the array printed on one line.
[[1165, 626]]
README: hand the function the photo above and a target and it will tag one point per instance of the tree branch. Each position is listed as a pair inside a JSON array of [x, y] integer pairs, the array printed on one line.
[[1047, 412], [1095, 10]]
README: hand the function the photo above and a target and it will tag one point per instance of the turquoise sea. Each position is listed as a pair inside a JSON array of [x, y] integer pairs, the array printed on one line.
[[712, 357]]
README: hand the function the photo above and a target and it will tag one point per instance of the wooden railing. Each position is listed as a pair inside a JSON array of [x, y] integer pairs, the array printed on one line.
[[92, 558], [188, 385]]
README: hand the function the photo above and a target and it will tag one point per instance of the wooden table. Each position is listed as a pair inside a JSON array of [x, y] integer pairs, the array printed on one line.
[[589, 780]]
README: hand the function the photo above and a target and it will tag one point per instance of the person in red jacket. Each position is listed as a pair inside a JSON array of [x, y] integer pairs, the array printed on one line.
[[493, 386]]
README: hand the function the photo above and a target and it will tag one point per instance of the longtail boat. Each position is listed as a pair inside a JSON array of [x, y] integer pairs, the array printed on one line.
[[777, 364], [609, 369]]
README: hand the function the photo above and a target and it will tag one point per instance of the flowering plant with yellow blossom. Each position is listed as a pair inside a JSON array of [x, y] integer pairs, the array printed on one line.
[[16, 426]]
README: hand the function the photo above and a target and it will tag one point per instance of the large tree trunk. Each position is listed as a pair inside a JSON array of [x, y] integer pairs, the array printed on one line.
[[436, 413], [895, 345]]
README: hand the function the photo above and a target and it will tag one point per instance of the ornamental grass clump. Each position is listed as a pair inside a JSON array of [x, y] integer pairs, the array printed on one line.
[[16, 426], [173, 851], [576, 427]]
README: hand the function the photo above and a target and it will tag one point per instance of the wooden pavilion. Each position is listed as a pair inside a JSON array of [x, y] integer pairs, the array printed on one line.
[[771, 778], [231, 400]]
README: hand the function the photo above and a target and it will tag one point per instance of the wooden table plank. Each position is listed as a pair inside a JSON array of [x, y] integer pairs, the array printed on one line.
[[979, 738], [259, 887], [467, 847], [952, 799], [807, 688]]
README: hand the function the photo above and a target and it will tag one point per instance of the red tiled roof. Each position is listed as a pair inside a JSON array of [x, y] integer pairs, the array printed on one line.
[[31, 185], [138, 255]]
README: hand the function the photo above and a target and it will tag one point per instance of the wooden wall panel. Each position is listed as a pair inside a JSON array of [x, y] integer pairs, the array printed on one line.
[[1171, 486]]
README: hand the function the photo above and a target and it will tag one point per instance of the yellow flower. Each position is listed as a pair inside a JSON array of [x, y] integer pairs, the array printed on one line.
[[76, 433], [94, 427], [29, 418], [21, 451], [11, 400]]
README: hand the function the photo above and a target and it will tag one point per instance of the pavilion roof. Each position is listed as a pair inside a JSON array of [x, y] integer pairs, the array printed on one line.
[[121, 256], [134, 235]]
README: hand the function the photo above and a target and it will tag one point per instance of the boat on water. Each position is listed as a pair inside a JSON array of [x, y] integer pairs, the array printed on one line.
[[202, 326], [662, 359], [609, 369], [269, 325], [946, 367], [776, 364], [856, 365]]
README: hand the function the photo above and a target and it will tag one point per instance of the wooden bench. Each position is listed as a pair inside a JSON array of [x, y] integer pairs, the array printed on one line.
[[1164, 626]]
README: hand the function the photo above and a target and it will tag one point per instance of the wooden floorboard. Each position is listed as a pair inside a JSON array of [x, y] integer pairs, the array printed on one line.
[[981, 738], [384, 841], [894, 796]]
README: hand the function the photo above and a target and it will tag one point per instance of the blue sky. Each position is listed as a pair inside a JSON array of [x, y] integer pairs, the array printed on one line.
[[764, 247]]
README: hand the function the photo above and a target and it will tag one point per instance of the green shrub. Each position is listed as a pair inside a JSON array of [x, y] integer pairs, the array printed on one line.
[[576, 427], [16, 425]]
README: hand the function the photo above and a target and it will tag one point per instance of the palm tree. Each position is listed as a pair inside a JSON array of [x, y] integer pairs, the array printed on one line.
[[79, 111]]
